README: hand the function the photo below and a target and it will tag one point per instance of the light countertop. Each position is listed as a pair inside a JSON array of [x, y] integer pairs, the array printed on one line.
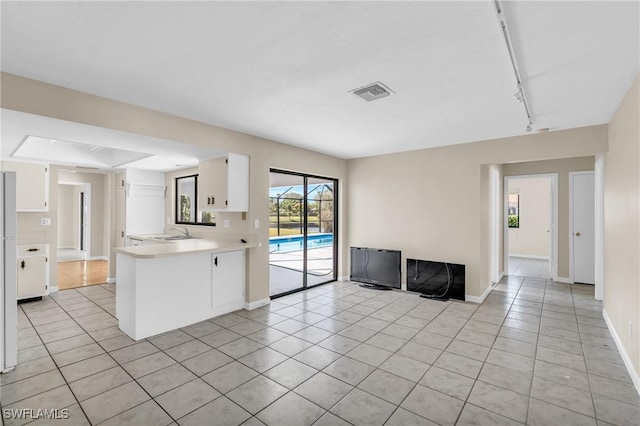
[[181, 247]]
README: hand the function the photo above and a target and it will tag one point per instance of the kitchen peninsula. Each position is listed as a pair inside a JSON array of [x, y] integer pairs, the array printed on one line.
[[164, 285]]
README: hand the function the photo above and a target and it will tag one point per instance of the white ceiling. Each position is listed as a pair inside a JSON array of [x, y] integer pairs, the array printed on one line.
[[283, 70]]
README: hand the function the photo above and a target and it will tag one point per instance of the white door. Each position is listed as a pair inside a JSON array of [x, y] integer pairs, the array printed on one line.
[[583, 219]]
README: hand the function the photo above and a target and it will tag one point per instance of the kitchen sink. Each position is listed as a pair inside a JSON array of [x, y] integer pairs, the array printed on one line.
[[175, 238]]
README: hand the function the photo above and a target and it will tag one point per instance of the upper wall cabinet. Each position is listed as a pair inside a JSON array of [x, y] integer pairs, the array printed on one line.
[[32, 186], [223, 184]]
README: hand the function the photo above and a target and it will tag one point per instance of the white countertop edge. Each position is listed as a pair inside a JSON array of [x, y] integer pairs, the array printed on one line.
[[183, 247]]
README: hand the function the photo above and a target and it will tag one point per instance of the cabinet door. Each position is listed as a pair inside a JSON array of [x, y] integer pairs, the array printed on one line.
[[32, 276], [32, 186], [212, 184], [238, 183], [227, 280]]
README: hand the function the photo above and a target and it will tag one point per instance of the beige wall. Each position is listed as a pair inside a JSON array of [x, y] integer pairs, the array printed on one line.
[[68, 216], [562, 167], [532, 237], [431, 203], [99, 220], [39, 98], [622, 224]]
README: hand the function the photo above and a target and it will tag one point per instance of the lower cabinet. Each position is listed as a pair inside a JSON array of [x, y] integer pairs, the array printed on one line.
[[227, 280], [33, 271]]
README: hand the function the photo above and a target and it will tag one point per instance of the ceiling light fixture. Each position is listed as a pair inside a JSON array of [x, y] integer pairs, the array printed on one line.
[[520, 95]]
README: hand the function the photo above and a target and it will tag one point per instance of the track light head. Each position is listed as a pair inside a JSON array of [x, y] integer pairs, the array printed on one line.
[[528, 128], [518, 96]]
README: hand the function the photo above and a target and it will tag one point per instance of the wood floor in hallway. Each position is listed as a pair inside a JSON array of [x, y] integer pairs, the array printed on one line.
[[82, 273]]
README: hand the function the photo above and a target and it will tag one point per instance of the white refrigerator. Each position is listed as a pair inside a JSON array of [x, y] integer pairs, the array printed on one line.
[[8, 261]]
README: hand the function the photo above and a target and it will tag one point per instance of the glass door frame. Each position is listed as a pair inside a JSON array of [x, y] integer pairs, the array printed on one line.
[[305, 177]]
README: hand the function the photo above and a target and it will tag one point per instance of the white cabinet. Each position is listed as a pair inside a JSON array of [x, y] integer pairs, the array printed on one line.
[[161, 293], [33, 270], [223, 184], [32, 186], [227, 280]]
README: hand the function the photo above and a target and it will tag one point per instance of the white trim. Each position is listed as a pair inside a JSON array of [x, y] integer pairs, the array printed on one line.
[[563, 280], [623, 352], [494, 224], [258, 303], [599, 219], [553, 259], [571, 231], [343, 278], [500, 277], [53, 289], [111, 280], [529, 256], [98, 258], [478, 299]]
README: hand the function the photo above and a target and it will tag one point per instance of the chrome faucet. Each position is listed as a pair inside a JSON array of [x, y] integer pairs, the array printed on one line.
[[184, 230]]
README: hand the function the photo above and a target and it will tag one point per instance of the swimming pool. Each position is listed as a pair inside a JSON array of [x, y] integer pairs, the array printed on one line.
[[295, 242]]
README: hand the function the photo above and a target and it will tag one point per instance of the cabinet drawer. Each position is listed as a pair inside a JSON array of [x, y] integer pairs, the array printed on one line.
[[32, 250]]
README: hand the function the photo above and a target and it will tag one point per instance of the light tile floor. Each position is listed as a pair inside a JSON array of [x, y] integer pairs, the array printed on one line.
[[526, 267], [535, 352]]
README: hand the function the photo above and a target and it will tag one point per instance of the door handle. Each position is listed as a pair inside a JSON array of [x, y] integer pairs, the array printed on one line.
[[122, 234], [577, 234], [22, 264], [215, 262]]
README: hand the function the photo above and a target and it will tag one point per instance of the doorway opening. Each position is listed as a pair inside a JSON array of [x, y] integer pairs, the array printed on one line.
[[78, 264], [530, 226], [303, 228]]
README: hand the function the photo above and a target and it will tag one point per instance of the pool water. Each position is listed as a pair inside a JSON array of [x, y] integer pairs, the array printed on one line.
[[294, 243]]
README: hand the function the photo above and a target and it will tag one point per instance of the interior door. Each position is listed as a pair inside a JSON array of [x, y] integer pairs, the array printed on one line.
[[583, 219]]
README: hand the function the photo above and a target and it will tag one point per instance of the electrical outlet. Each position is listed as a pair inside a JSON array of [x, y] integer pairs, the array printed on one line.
[[630, 329], [226, 223], [45, 221], [257, 223]]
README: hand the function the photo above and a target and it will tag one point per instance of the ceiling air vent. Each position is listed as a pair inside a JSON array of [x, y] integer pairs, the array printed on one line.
[[373, 91]]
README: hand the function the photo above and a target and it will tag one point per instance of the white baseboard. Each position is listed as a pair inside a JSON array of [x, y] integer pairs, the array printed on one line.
[[625, 356], [563, 280], [111, 280], [478, 299], [500, 277], [98, 258], [529, 256], [343, 278], [258, 303], [53, 289], [69, 247]]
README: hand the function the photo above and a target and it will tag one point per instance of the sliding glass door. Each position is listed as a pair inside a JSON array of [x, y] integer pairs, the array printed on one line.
[[302, 231]]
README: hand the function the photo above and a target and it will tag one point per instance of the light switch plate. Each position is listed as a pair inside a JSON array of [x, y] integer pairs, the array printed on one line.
[[257, 223], [226, 223], [45, 221]]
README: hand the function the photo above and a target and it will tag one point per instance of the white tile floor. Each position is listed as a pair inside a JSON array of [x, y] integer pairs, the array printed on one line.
[[535, 352], [525, 267]]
